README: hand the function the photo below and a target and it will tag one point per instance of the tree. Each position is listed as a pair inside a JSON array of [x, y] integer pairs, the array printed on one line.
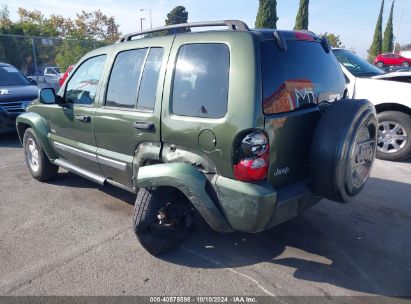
[[5, 16], [178, 15], [95, 25], [388, 42], [376, 46], [333, 40], [397, 48], [301, 21], [267, 14]]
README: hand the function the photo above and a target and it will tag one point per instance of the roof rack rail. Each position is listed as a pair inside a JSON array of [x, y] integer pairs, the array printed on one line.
[[232, 25]]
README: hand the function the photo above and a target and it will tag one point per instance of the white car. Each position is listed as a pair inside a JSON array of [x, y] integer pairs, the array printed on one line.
[[391, 96]]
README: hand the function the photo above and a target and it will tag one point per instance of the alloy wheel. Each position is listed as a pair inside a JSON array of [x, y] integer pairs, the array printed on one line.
[[392, 137]]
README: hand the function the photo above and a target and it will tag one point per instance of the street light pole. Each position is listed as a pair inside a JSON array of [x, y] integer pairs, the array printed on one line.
[[141, 23], [149, 10]]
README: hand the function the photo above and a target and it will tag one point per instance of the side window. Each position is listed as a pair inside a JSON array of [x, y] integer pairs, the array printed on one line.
[[124, 79], [149, 81], [200, 87], [82, 87]]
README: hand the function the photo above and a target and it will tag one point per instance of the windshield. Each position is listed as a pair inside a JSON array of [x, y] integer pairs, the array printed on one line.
[[10, 76], [356, 65]]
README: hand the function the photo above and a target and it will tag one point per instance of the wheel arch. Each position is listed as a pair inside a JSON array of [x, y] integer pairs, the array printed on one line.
[[39, 126], [192, 183], [383, 107]]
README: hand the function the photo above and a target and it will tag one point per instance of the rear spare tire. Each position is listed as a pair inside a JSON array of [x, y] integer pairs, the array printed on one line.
[[343, 149]]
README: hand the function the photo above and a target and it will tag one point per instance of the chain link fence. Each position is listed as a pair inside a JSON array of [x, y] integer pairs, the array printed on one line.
[[32, 54]]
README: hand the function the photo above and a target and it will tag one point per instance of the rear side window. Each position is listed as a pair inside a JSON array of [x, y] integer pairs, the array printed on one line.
[[149, 80], [200, 87], [124, 79], [303, 75], [82, 87]]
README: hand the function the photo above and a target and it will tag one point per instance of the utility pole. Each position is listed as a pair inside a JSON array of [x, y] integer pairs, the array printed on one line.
[[398, 28], [141, 23], [149, 10]]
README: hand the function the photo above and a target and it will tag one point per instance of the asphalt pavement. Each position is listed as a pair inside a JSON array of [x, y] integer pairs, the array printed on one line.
[[74, 237]]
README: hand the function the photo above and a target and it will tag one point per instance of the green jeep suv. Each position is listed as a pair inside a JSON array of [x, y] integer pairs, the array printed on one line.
[[246, 128]]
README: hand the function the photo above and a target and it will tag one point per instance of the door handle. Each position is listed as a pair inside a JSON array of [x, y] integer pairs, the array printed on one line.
[[145, 125], [83, 118]]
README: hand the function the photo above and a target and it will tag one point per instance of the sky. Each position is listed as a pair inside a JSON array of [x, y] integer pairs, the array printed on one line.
[[353, 20]]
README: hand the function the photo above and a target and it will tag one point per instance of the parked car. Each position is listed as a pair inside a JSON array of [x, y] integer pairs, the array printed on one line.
[[233, 124], [391, 59], [65, 75], [391, 95], [47, 77], [16, 92]]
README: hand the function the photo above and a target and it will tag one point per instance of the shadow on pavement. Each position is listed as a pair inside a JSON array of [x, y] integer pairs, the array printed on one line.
[[9, 141], [68, 179], [362, 246]]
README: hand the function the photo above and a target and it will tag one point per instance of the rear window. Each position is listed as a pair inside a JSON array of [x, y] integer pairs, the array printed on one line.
[[299, 77]]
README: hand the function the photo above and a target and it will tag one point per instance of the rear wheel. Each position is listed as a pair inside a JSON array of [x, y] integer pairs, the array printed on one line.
[[394, 131], [406, 64], [37, 161], [380, 64], [343, 149], [162, 218]]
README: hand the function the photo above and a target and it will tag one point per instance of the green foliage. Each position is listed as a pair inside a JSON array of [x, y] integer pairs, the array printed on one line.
[[397, 48], [81, 32], [5, 16], [267, 14], [376, 46], [301, 21], [388, 41], [177, 15], [70, 53], [333, 40]]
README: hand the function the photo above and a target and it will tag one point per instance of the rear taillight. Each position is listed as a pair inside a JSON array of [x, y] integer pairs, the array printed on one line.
[[253, 153]]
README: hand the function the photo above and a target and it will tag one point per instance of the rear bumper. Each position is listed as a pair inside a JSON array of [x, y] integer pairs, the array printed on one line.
[[7, 121], [255, 207]]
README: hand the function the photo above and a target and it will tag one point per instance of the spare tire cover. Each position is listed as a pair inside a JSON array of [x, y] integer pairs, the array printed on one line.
[[343, 149]]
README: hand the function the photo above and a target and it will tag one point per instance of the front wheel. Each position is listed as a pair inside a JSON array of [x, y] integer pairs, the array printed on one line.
[[162, 218], [37, 161], [380, 64], [394, 131]]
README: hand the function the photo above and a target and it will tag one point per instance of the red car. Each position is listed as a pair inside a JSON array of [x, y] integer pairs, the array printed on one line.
[[391, 59], [65, 75]]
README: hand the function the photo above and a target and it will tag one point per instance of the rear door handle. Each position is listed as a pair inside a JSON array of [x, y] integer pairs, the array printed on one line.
[[144, 125], [83, 118]]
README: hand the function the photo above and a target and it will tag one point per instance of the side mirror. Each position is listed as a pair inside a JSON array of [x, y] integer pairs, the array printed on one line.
[[47, 96]]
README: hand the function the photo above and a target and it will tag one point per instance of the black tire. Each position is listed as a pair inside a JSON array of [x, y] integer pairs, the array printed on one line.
[[151, 235], [44, 170], [380, 64], [343, 149], [406, 64], [389, 120]]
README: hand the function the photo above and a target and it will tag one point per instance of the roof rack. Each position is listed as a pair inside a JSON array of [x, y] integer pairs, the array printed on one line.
[[232, 25]]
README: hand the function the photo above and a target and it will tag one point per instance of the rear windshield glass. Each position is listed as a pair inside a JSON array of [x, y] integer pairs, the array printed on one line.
[[10, 76], [299, 77]]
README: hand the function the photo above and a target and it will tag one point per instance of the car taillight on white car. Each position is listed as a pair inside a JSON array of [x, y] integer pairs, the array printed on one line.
[[253, 156]]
